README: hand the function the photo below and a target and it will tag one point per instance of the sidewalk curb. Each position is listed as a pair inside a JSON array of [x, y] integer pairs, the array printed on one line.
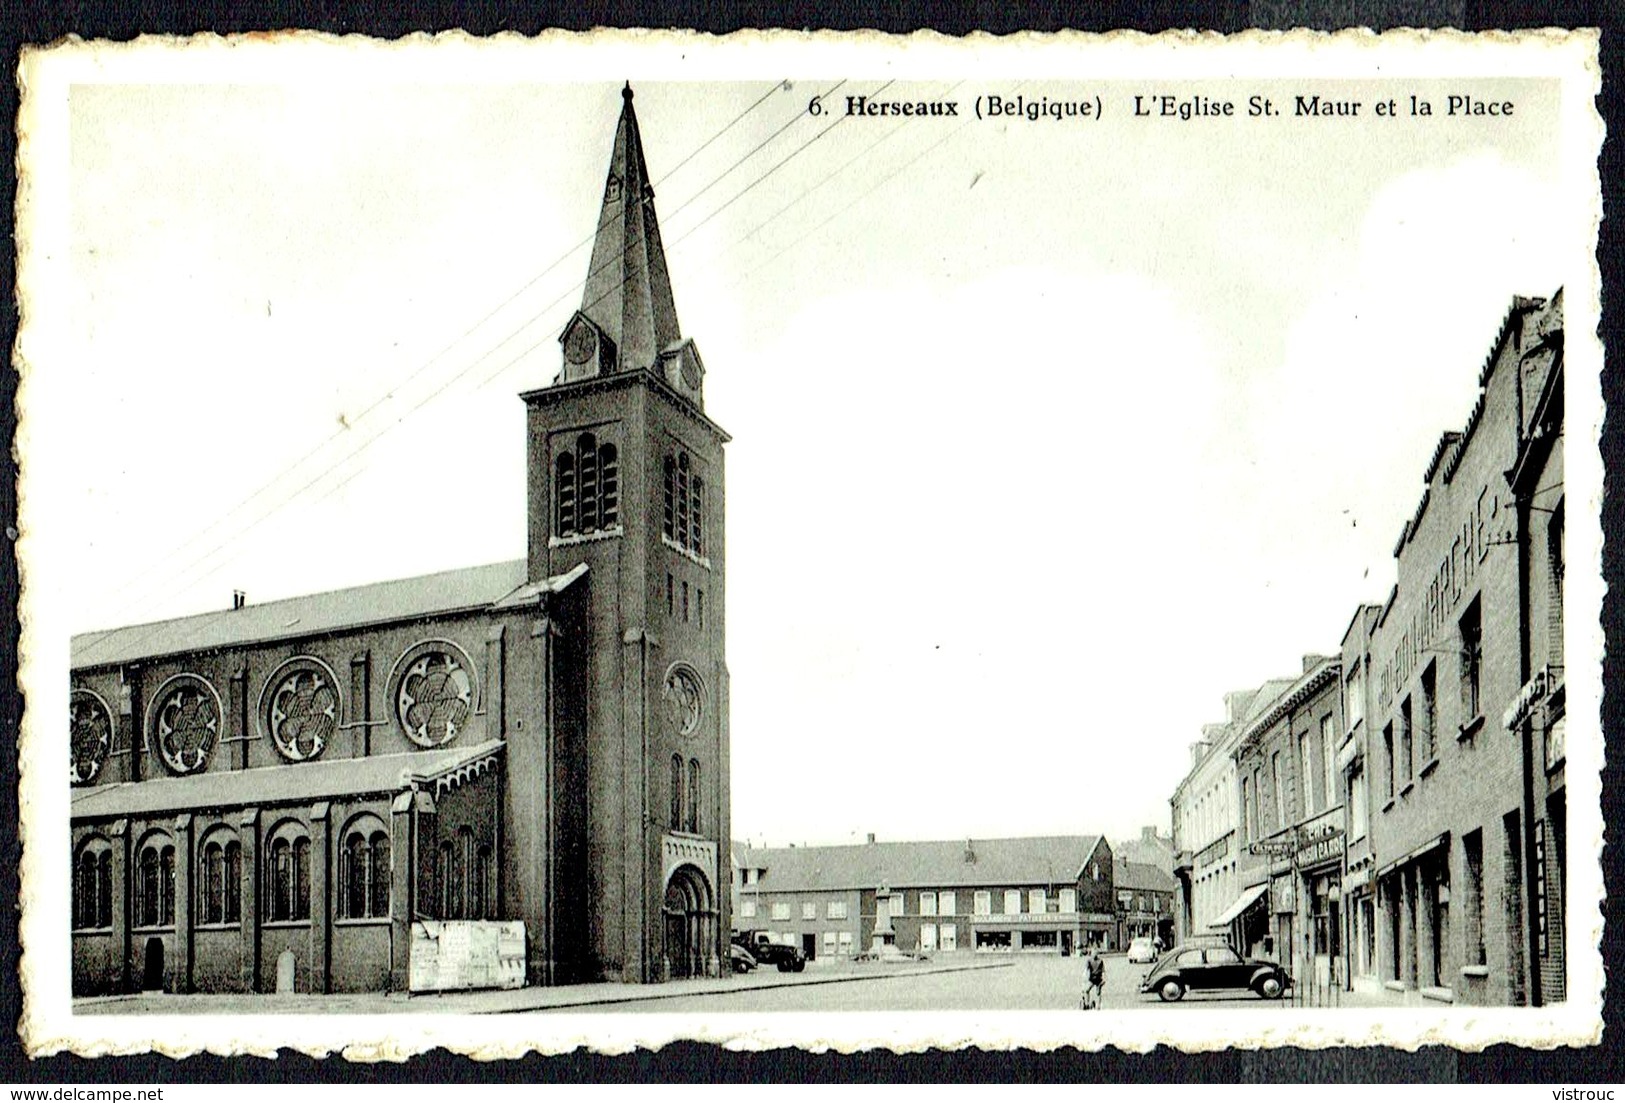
[[540, 999], [809, 982]]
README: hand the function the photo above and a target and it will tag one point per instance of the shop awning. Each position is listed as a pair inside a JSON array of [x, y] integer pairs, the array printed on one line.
[[1431, 845], [1246, 900]]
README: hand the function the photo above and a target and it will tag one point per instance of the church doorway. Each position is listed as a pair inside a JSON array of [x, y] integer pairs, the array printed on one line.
[[152, 966], [690, 922]]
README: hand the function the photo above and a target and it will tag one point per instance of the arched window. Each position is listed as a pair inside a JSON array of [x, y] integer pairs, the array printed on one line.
[[281, 866], [682, 498], [166, 886], [683, 521], [211, 886], [587, 473], [446, 859], [694, 795], [93, 885], [485, 885], [148, 897], [364, 873], [220, 878], [381, 874], [587, 487], [668, 523], [233, 882], [467, 874], [565, 491], [355, 868], [104, 889], [609, 486], [301, 878], [676, 792], [84, 889], [696, 511], [289, 873]]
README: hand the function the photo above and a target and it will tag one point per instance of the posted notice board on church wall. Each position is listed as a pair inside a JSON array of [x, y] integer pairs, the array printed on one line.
[[449, 955]]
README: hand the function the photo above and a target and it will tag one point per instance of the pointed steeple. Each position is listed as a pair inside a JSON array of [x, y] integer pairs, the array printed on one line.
[[628, 294]]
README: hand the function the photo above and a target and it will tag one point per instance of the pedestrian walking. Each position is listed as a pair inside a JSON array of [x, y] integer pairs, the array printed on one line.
[[1094, 980]]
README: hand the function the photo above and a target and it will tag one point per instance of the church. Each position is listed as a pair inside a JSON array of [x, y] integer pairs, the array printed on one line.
[[271, 797]]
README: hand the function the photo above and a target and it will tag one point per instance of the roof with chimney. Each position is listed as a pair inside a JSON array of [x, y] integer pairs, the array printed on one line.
[[940, 864], [1151, 848], [1142, 876]]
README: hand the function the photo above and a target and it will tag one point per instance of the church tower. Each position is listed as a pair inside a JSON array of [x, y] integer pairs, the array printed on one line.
[[625, 475]]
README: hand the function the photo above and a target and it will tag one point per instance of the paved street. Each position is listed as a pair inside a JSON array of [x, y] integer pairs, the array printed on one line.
[[965, 982], [1016, 984]]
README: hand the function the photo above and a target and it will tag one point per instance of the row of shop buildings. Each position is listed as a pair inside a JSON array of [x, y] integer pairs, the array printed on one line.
[[1392, 817], [1047, 895]]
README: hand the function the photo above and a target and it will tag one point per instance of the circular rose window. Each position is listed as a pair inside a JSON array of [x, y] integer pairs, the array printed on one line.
[[302, 712], [90, 735], [186, 724], [683, 696], [435, 698]]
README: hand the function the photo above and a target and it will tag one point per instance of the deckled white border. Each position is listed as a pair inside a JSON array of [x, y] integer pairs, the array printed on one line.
[[48, 1026]]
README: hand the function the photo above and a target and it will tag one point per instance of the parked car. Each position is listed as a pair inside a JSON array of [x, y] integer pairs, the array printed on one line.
[[742, 960], [1142, 950], [1188, 968], [767, 952]]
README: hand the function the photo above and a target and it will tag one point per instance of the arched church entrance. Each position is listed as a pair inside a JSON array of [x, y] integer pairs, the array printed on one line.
[[691, 925]]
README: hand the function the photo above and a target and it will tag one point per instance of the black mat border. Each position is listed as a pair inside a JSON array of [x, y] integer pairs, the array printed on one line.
[[693, 1063]]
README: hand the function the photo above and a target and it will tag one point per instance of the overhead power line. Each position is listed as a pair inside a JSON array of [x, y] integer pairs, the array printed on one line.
[[447, 384], [165, 564]]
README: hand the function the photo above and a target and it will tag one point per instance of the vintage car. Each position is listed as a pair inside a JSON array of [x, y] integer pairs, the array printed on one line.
[[1200, 968], [1142, 950], [742, 960], [785, 957]]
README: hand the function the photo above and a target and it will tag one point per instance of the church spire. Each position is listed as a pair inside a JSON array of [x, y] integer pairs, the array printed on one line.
[[628, 296]]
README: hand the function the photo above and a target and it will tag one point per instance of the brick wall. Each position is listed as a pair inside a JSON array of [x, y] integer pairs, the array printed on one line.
[[1457, 553]]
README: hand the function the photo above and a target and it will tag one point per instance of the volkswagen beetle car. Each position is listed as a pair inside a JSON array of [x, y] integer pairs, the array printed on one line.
[[1142, 950], [740, 958], [1188, 968]]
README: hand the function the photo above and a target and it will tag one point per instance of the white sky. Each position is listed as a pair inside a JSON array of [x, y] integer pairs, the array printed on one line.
[[1045, 435]]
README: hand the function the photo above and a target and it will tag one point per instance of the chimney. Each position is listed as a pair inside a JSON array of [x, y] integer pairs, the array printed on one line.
[[870, 838], [238, 599], [1149, 834], [1235, 704], [970, 852]]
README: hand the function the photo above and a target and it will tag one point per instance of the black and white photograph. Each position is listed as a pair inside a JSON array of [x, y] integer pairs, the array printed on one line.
[[835, 541]]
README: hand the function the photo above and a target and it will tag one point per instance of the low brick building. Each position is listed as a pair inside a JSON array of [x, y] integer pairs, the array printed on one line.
[[1468, 875], [1145, 896], [1291, 823], [1051, 894]]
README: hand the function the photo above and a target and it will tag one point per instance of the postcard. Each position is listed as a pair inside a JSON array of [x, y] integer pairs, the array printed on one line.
[[840, 541]]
